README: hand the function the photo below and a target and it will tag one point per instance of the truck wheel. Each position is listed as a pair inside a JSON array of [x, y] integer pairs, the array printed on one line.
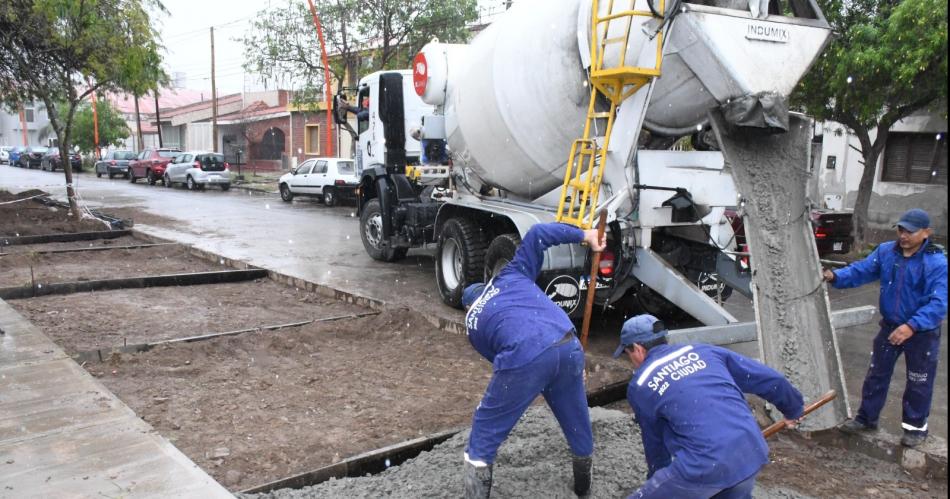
[[329, 196], [459, 259], [288, 196], [500, 252], [371, 232]]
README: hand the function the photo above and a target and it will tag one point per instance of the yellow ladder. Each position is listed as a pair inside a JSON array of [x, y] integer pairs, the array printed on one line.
[[585, 165]]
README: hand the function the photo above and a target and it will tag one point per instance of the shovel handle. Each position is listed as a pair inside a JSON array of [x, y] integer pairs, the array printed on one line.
[[592, 282], [779, 426]]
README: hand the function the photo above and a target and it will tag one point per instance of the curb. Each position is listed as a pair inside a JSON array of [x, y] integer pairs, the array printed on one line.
[[928, 460], [253, 189]]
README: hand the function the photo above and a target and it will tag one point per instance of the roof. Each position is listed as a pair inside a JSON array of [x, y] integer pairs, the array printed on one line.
[[168, 98]]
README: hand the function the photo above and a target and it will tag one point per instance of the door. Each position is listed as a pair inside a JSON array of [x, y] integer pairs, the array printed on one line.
[[176, 169], [298, 182], [318, 177]]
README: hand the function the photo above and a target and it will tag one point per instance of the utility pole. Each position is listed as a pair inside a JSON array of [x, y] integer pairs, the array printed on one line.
[[214, 101], [26, 138], [138, 124], [158, 120], [95, 126]]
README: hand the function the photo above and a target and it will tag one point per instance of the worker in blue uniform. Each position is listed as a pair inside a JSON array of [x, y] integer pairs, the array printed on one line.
[[700, 437], [531, 344], [913, 302]]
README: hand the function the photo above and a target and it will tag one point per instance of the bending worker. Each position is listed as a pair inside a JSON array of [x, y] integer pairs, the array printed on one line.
[[700, 437], [913, 275], [531, 344]]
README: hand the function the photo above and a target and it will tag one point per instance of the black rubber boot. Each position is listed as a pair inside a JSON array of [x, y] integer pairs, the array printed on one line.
[[583, 469], [477, 481]]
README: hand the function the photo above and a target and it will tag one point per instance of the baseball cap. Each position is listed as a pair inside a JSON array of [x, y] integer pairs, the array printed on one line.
[[640, 329], [914, 220], [471, 293]]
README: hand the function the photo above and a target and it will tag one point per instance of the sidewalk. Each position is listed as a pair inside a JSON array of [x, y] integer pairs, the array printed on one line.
[[64, 434]]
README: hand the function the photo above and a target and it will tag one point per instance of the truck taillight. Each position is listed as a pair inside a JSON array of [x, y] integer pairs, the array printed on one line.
[[606, 264]]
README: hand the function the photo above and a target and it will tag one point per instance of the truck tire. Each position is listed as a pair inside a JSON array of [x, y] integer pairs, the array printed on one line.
[[459, 259], [500, 252], [371, 232]]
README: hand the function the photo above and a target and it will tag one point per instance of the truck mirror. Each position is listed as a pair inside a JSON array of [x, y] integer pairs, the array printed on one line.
[[339, 111]]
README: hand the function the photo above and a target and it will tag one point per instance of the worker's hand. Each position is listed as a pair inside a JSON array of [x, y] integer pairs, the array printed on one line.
[[595, 243], [792, 423], [900, 335], [827, 275]]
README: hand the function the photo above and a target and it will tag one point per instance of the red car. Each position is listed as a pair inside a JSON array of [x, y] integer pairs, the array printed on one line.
[[151, 163]]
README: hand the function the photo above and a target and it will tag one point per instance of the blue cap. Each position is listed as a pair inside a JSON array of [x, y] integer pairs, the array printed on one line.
[[914, 220], [471, 293], [640, 329]]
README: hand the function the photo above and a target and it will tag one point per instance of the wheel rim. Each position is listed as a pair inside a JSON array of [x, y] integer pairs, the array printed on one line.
[[374, 230], [191, 184], [329, 197], [284, 192], [451, 262]]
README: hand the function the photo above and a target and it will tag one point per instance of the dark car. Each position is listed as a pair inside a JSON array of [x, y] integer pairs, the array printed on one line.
[[832, 232], [115, 163], [51, 161], [32, 157]]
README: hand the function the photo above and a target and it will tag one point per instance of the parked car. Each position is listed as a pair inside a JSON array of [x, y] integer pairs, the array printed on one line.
[[833, 232], [5, 154], [325, 178], [115, 163], [32, 157], [150, 164], [51, 162], [197, 170], [15, 153]]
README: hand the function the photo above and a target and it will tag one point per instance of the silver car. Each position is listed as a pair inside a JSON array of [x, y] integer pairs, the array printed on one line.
[[197, 170]]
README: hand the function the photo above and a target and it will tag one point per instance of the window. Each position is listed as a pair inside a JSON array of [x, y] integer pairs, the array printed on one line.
[[311, 139], [345, 168], [272, 144], [304, 168], [832, 162], [321, 167], [919, 158], [28, 112]]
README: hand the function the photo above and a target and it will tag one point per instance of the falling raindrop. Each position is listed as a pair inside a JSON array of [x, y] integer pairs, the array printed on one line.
[[850, 80]]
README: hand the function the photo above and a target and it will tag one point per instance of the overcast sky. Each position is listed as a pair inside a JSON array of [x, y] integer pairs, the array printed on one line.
[[186, 37]]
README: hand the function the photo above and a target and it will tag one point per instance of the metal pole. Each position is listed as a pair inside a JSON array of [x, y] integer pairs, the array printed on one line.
[[26, 138], [326, 77], [158, 120], [214, 101], [95, 126]]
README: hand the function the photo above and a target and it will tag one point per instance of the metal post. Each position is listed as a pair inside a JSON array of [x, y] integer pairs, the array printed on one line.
[[214, 101]]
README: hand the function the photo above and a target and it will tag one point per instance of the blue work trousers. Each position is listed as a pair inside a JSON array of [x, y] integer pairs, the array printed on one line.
[[921, 352], [666, 484], [558, 375]]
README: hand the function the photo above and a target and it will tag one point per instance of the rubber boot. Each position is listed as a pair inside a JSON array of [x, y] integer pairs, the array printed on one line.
[[477, 481], [583, 469]]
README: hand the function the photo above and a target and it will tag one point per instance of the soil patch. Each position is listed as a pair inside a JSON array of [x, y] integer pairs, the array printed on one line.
[[89, 321], [15, 269], [95, 243], [29, 218], [535, 462], [254, 408]]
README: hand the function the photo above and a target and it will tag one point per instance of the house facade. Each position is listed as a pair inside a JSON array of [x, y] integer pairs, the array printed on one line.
[[910, 173], [38, 131]]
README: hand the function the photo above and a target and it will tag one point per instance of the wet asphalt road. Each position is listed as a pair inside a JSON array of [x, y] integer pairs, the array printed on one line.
[[308, 240]]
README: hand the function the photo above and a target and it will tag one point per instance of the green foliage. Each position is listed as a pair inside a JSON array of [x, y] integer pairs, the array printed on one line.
[[112, 126], [888, 59], [361, 37]]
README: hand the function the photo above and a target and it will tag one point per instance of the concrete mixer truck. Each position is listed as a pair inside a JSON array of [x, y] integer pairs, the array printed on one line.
[[562, 109]]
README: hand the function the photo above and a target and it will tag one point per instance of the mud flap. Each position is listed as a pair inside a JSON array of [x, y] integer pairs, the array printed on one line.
[[792, 311]]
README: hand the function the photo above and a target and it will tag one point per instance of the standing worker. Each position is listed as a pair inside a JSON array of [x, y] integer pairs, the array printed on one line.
[[913, 275], [531, 344], [700, 437]]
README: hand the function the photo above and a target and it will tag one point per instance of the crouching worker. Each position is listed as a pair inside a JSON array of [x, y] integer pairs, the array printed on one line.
[[531, 344], [700, 438]]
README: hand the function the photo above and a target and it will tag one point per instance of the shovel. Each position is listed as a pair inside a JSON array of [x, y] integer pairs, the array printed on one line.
[[779, 426]]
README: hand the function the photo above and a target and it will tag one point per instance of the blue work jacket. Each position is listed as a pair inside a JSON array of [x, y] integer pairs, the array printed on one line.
[[693, 416], [513, 321], [913, 289]]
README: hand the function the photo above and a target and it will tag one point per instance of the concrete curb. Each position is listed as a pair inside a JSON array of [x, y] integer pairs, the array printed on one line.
[[253, 189], [928, 460]]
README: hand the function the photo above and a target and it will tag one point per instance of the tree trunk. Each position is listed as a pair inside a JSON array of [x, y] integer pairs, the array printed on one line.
[[870, 153], [138, 125]]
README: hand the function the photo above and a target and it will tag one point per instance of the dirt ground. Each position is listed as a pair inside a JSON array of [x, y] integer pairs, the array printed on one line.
[[258, 407], [89, 321], [15, 269], [29, 218], [95, 243]]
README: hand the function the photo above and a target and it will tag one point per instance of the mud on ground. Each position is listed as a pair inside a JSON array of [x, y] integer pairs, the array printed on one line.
[[29, 218], [16, 269], [536, 462], [103, 319]]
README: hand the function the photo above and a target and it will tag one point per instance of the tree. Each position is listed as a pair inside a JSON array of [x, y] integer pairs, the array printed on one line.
[[361, 37], [60, 51], [112, 126], [889, 60]]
